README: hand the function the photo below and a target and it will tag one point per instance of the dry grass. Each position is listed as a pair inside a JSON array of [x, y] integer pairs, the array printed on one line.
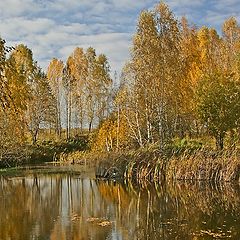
[[151, 164], [201, 165]]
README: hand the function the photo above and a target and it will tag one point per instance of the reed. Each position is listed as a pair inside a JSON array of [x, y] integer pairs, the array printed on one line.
[[201, 165], [153, 164]]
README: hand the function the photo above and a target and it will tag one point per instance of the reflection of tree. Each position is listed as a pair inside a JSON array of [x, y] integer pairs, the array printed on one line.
[[24, 209], [50, 207], [62, 206], [179, 211]]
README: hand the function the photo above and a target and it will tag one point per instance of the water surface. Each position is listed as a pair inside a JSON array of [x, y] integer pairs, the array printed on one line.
[[68, 203]]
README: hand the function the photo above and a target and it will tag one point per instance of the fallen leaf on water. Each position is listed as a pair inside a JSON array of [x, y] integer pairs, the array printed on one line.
[[104, 223], [99, 221], [75, 217], [92, 219]]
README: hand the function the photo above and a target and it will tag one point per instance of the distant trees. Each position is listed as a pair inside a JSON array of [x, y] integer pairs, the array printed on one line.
[[74, 96], [85, 84]]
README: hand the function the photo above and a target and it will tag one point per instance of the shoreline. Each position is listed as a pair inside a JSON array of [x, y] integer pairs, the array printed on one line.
[[151, 165]]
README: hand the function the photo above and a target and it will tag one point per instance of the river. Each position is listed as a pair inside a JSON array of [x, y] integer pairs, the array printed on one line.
[[60, 203]]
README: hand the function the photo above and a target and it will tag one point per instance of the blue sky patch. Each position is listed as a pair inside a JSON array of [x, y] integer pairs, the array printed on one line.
[[54, 28]]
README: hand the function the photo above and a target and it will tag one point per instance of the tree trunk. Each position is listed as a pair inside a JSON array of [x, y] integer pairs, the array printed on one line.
[[220, 141], [34, 137], [232, 139], [138, 129], [59, 128], [68, 106], [90, 126], [70, 115], [67, 110], [118, 126]]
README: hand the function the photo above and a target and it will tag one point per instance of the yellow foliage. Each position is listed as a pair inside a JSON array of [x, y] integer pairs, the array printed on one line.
[[112, 134]]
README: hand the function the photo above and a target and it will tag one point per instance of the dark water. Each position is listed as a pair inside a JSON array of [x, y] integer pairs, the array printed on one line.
[[69, 204]]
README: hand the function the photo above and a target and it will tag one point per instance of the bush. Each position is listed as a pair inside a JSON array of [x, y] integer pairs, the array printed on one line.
[[179, 146]]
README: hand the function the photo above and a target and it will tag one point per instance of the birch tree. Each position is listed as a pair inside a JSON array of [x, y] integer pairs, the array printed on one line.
[[55, 75]]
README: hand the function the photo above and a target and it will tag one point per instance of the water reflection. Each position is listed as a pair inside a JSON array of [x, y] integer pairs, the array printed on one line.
[[65, 206]]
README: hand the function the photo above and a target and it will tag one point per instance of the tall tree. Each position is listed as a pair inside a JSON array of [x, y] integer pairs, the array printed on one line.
[[12, 95], [79, 72], [219, 105], [103, 87], [42, 109], [90, 87], [55, 75], [68, 84], [37, 95], [157, 69]]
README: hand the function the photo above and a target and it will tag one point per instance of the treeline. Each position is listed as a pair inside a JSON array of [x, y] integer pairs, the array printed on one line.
[[83, 91], [66, 102], [180, 81]]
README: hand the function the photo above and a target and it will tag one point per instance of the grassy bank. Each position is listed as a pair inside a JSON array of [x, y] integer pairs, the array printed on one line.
[[181, 160], [189, 161], [42, 151]]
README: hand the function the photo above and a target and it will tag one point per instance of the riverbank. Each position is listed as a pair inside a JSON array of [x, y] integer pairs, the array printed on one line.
[[41, 152], [152, 164], [191, 162], [200, 165]]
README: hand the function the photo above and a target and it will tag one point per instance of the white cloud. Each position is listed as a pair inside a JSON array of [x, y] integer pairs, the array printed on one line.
[[15, 8], [213, 18], [53, 28], [18, 27], [186, 3], [114, 45]]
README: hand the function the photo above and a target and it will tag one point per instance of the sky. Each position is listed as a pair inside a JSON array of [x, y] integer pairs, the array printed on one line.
[[53, 28]]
